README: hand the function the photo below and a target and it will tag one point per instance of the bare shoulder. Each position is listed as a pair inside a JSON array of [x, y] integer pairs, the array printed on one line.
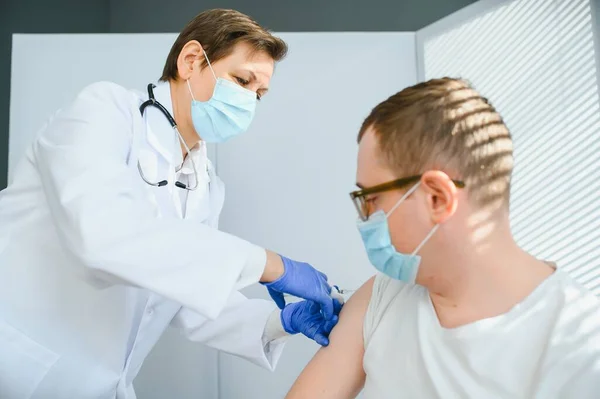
[[353, 314], [366, 289], [348, 332], [358, 303], [336, 370]]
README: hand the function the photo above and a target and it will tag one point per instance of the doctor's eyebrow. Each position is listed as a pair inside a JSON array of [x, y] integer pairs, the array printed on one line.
[[253, 78]]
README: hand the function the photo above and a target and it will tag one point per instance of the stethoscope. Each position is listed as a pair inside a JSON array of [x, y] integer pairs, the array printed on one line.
[[152, 102]]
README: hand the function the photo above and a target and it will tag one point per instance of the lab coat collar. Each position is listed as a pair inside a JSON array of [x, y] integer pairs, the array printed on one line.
[[161, 136], [198, 154]]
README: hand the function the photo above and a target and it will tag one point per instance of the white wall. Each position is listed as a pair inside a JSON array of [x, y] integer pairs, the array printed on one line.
[[287, 179]]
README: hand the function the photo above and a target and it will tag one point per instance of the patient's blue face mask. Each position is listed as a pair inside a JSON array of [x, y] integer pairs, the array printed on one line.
[[375, 234], [226, 114]]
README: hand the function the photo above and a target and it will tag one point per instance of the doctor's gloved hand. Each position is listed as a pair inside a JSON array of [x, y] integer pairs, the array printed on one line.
[[305, 317], [303, 281]]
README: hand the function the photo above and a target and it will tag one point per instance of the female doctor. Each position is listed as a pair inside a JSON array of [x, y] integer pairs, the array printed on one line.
[[108, 230]]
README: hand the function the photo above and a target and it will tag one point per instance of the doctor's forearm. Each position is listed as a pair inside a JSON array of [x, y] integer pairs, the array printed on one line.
[[273, 268]]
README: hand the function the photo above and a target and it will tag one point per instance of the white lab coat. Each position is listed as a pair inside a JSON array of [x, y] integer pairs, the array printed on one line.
[[95, 263]]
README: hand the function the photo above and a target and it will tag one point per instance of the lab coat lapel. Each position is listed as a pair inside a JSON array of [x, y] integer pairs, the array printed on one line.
[[155, 168], [210, 185], [217, 196], [197, 206]]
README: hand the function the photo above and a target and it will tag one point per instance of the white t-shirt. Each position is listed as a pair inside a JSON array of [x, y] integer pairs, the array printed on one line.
[[547, 346]]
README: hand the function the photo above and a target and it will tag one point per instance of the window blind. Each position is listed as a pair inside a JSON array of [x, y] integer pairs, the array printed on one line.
[[535, 60]]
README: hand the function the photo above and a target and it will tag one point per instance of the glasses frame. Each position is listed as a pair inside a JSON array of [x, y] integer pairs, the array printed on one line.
[[359, 195]]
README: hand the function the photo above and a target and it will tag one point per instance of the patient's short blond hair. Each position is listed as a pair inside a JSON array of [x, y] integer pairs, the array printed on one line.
[[445, 124]]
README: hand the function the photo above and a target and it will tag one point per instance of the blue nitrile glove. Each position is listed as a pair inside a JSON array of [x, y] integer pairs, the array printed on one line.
[[305, 317], [303, 281]]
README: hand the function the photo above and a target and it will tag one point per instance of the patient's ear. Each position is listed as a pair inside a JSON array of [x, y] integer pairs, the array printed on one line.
[[441, 195]]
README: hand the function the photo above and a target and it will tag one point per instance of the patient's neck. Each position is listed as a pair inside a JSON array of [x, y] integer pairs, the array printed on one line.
[[483, 278]]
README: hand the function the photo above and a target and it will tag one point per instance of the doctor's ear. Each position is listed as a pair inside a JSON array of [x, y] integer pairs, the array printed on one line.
[[442, 195], [190, 58]]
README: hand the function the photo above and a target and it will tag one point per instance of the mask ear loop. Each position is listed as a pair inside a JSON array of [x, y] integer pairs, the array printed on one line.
[[433, 230], [190, 89], [409, 192], [211, 70], [427, 237], [209, 65]]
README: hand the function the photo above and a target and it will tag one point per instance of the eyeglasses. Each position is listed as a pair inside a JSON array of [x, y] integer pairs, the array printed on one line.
[[361, 201]]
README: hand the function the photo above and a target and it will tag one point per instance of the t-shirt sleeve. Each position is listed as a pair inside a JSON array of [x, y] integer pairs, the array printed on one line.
[[385, 289]]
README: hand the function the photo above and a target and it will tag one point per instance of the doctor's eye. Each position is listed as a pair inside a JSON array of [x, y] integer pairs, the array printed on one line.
[[241, 81]]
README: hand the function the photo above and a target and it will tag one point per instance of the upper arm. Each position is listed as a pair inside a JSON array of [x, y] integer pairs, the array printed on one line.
[[336, 371], [81, 159], [97, 124]]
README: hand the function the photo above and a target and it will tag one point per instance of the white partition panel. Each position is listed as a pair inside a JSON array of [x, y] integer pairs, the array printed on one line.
[[288, 179]]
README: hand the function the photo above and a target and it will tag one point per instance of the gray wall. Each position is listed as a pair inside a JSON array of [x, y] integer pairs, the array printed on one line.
[[125, 16], [288, 16]]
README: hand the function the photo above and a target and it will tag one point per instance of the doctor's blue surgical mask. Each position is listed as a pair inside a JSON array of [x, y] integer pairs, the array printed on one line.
[[226, 114], [382, 254]]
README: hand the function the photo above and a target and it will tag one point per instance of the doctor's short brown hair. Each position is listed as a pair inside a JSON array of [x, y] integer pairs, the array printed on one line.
[[218, 31], [445, 124]]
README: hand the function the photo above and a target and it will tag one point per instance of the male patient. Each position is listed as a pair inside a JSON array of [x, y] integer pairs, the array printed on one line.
[[457, 309]]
